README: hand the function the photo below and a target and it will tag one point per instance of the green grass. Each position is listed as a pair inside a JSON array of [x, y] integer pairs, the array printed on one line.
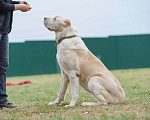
[[33, 99]]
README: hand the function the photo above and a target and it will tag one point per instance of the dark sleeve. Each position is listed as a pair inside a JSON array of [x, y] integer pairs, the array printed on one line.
[[6, 7], [16, 2]]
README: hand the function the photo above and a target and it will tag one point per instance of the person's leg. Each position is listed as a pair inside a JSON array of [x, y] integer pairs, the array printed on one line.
[[4, 62]]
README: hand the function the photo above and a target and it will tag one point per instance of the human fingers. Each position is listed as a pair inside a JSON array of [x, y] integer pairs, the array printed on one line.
[[29, 8], [25, 8], [24, 2]]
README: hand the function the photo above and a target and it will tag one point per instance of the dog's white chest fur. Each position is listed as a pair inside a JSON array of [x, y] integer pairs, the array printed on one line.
[[66, 52]]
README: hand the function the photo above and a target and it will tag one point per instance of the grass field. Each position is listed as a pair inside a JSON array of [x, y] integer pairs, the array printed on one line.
[[33, 99]]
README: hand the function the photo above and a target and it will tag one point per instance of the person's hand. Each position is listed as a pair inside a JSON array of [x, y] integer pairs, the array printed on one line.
[[24, 2], [22, 7], [25, 8]]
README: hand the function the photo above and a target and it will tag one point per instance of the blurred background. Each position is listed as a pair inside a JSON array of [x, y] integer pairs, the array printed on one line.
[[116, 31]]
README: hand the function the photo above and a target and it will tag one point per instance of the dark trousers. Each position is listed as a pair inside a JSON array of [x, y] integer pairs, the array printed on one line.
[[4, 62]]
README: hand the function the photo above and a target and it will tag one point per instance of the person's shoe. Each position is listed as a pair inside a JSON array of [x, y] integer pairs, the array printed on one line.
[[7, 105]]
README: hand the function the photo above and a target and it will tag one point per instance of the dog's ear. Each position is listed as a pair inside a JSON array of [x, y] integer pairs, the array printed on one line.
[[67, 23]]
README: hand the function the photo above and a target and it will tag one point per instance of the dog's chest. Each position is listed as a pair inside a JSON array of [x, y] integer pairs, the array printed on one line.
[[63, 57]]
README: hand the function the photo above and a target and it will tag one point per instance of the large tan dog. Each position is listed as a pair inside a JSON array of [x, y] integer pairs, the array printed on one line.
[[79, 66]]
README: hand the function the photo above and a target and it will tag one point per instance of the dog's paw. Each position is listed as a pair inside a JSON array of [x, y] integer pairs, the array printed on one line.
[[69, 106], [52, 103], [84, 104], [89, 104]]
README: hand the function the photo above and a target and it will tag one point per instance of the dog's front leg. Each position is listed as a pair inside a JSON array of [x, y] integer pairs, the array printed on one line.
[[74, 89], [63, 89]]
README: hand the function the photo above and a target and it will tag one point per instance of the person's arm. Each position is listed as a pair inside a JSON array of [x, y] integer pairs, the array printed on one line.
[[22, 7], [6, 7]]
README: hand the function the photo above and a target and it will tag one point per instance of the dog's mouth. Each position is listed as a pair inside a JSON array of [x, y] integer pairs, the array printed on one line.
[[46, 25], [49, 28]]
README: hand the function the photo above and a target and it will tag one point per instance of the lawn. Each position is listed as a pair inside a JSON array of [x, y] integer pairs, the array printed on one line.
[[33, 99]]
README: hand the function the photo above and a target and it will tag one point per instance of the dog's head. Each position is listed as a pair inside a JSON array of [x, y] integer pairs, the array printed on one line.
[[56, 24], [62, 26]]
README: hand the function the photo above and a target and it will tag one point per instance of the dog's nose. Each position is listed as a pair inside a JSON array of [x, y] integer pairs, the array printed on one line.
[[45, 18]]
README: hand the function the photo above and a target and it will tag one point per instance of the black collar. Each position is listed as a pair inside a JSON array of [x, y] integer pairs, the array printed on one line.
[[59, 41]]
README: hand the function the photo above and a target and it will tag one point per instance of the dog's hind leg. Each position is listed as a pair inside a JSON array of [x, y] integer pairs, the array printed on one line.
[[63, 89], [97, 90]]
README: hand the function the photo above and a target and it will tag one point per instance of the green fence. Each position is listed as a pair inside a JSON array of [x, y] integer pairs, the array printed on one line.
[[116, 52]]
